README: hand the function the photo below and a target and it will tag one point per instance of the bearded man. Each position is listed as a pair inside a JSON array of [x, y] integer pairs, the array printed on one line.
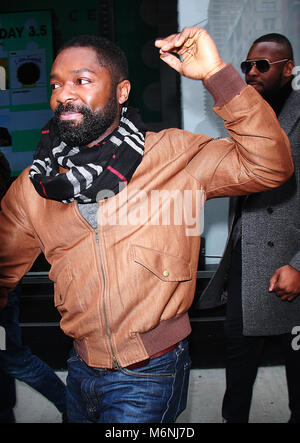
[[123, 287]]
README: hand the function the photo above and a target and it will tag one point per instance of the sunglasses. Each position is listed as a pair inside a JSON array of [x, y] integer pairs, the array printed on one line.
[[262, 65]]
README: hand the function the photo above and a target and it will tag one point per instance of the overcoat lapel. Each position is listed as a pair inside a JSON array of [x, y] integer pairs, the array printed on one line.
[[290, 112]]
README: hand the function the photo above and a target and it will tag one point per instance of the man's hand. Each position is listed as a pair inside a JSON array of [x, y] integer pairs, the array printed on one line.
[[199, 56], [285, 282]]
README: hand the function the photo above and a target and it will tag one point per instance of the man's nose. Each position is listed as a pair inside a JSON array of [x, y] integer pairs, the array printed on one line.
[[253, 70], [66, 94]]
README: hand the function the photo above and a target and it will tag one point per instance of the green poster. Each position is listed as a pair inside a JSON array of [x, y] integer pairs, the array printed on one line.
[[25, 63]]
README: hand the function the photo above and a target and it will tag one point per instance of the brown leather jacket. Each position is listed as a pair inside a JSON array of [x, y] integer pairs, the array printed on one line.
[[123, 291]]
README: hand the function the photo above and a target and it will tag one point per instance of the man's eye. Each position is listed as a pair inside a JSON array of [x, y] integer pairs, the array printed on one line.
[[82, 81], [54, 86]]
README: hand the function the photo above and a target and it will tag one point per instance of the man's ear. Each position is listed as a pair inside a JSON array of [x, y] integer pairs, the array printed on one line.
[[123, 90], [288, 68]]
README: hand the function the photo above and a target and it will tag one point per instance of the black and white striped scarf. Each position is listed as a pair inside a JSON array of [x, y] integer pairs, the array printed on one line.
[[93, 173]]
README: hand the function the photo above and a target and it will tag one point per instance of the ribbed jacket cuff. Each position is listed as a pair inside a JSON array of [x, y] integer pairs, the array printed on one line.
[[225, 85]]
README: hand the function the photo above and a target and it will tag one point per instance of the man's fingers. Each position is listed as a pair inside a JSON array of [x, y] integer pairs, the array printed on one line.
[[171, 60], [176, 40], [287, 297], [273, 281], [168, 43]]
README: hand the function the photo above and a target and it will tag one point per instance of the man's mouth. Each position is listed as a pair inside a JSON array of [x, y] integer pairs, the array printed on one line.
[[254, 83], [70, 115]]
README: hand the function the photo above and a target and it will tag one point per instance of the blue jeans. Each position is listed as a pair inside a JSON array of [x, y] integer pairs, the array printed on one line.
[[19, 362], [155, 393]]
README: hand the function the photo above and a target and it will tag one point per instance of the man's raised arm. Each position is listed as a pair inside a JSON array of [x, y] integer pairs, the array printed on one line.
[[257, 156]]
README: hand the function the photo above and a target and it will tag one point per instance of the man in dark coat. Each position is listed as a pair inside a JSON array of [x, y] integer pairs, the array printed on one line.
[[259, 274]]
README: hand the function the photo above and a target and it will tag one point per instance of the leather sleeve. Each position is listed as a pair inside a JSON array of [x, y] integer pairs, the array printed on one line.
[[254, 158], [18, 245]]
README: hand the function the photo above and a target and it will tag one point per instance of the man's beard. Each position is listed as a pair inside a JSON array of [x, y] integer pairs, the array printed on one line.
[[92, 125], [269, 94]]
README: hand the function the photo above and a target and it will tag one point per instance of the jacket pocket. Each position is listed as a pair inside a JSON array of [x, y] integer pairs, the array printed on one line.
[[62, 281], [166, 267]]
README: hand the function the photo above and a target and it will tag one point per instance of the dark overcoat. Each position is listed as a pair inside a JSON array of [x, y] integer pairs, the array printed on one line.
[[270, 239]]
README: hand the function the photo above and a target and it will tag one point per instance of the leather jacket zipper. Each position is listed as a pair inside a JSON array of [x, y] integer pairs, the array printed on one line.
[[114, 358]]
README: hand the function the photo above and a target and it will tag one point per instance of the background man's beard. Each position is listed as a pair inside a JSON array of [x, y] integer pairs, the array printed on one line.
[[91, 126], [271, 93]]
